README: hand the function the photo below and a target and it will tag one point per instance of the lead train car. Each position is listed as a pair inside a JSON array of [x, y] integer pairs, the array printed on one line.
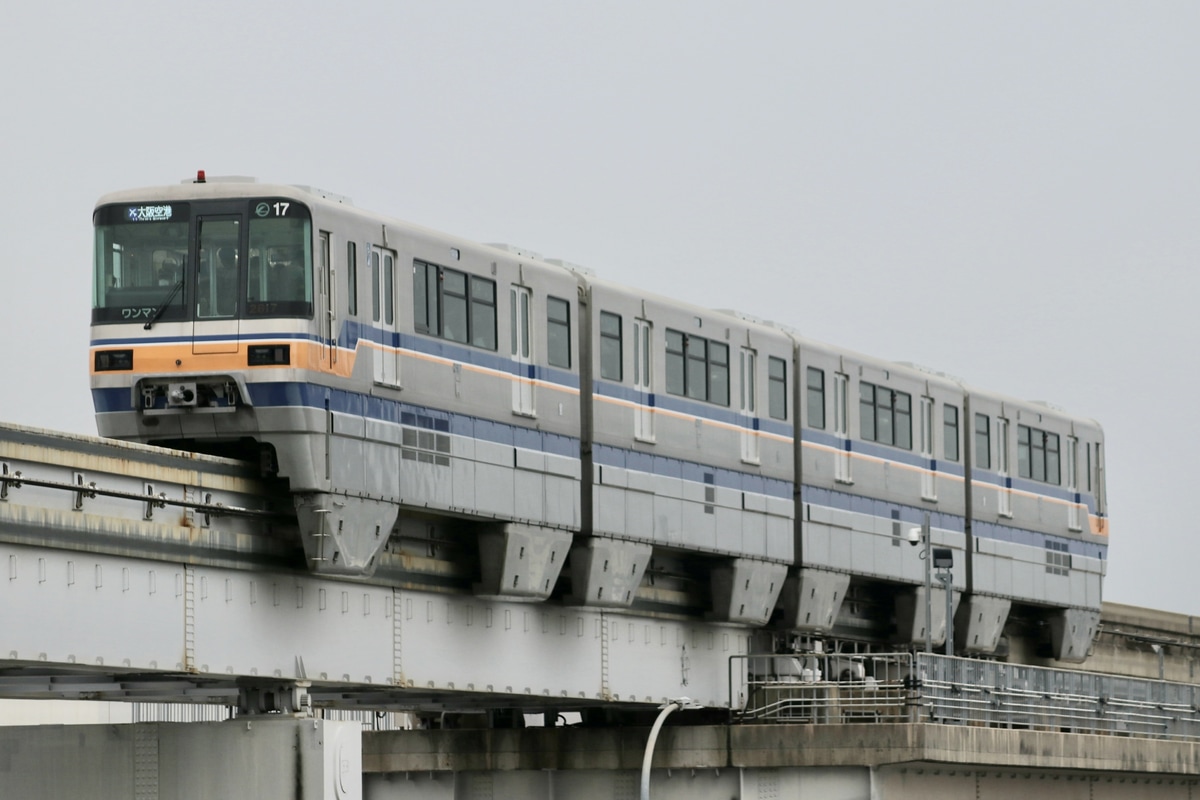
[[288, 322], [398, 377]]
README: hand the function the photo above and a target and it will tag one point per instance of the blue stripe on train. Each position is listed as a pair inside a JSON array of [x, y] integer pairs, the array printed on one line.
[[911, 516], [693, 408], [376, 408], [885, 452], [291, 394], [606, 455]]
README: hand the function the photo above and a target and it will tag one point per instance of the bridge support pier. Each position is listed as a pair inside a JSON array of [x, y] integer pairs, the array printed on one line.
[[883, 761], [262, 758]]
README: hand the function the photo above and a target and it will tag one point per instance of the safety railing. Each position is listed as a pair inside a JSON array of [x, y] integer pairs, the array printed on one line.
[[906, 687]]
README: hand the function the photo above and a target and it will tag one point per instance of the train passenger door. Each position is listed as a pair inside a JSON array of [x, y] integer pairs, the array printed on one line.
[[217, 276], [326, 304], [748, 407], [1004, 501], [643, 415], [383, 311], [841, 426], [1073, 519], [521, 302], [928, 476]]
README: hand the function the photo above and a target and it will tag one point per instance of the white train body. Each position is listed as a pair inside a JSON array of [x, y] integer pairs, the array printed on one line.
[[399, 377]]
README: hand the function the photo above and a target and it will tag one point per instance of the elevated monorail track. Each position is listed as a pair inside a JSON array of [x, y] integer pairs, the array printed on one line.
[[150, 575], [154, 575]]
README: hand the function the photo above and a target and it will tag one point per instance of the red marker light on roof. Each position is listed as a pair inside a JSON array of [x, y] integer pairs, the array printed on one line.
[[199, 176]]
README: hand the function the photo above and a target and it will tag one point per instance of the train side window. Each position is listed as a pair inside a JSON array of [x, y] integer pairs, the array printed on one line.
[[983, 442], [675, 358], [950, 432], [695, 372], [697, 368], [815, 397], [483, 313], [777, 387], [453, 305], [718, 373], [351, 278], [558, 332], [1023, 466], [902, 419], [420, 295], [1038, 455], [885, 415], [866, 412], [610, 347], [425, 298]]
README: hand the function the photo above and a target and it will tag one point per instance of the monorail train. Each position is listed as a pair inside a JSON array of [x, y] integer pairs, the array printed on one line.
[[403, 380]]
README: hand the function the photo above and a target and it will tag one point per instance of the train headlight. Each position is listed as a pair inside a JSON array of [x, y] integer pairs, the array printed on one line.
[[113, 360]]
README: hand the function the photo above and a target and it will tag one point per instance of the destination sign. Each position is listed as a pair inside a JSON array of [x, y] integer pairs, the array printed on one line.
[[149, 213]]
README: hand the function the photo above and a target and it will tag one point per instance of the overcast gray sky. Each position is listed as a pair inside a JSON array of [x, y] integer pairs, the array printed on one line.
[[1006, 192]]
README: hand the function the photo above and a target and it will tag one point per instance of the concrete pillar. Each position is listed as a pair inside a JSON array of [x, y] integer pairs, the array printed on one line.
[[259, 758]]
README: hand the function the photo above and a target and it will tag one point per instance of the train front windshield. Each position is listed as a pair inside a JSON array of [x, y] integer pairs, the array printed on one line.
[[202, 260]]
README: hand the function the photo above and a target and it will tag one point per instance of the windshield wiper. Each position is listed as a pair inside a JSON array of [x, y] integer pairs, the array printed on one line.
[[158, 312]]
